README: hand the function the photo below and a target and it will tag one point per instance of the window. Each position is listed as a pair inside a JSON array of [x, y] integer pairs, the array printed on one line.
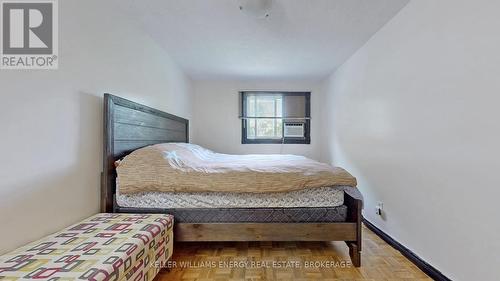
[[269, 117]]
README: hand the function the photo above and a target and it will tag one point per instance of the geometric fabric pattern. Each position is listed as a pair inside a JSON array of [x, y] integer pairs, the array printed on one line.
[[102, 247]]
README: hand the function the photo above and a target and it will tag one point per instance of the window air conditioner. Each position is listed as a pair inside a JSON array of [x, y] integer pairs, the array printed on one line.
[[293, 130]]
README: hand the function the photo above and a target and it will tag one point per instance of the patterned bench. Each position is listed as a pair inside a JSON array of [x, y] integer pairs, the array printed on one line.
[[102, 247]]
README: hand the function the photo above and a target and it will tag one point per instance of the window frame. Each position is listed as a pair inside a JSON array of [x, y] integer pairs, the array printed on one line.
[[307, 128]]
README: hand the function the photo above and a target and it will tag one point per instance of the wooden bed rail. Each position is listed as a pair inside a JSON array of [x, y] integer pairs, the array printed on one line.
[[265, 231]]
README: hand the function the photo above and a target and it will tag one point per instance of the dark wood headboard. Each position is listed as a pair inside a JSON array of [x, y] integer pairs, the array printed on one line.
[[129, 126]]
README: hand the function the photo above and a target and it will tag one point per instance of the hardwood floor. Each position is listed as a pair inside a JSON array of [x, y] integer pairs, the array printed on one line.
[[298, 261]]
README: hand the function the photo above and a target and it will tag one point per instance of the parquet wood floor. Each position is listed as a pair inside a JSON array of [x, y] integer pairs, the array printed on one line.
[[214, 261]]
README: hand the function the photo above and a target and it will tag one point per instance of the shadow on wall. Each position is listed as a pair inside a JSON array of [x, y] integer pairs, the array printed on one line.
[[57, 199], [90, 144], [337, 157]]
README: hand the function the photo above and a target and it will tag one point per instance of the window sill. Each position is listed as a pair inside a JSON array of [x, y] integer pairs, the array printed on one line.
[[277, 141]]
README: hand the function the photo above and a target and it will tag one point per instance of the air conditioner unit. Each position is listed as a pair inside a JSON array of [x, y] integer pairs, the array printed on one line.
[[294, 130]]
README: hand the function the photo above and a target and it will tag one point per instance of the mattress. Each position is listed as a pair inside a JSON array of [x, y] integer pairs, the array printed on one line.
[[251, 215], [312, 197]]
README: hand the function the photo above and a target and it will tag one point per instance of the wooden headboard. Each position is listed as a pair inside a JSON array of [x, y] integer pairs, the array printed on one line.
[[127, 127]]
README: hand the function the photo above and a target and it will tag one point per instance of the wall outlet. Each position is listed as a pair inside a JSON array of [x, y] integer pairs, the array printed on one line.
[[379, 208]]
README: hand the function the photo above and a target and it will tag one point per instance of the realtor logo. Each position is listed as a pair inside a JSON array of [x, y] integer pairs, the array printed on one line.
[[29, 34]]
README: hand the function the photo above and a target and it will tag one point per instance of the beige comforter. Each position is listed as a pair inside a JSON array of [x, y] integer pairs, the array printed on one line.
[[181, 167]]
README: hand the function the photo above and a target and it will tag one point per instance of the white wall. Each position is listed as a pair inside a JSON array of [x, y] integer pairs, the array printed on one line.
[[51, 143], [216, 111], [415, 116]]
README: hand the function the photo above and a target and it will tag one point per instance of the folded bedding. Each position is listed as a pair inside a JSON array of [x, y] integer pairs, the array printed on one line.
[[182, 167]]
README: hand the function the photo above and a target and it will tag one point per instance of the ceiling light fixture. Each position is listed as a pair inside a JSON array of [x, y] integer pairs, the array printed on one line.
[[260, 9]]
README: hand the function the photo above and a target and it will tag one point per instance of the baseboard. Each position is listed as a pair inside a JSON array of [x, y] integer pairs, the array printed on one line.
[[420, 263]]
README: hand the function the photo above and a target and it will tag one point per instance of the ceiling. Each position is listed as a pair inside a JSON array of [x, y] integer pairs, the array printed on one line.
[[304, 39]]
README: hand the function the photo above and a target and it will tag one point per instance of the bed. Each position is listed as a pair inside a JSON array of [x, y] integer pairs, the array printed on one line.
[[129, 126]]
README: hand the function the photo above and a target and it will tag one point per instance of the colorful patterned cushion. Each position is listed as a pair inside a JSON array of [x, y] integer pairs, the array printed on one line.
[[102, 247]]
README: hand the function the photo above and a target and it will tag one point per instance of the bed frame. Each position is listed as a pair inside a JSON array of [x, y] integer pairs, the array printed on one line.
[[129, 126]]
